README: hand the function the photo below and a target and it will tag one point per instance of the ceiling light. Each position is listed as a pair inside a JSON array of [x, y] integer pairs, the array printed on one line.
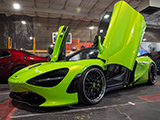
[[78, 9], [144, 39], [23, 22], [16, 6], [106, 16], [51, 45], [91, 28], [101, 31], [31, 38]]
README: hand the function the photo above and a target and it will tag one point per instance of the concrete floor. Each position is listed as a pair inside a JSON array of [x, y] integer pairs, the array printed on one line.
[[140, 102]]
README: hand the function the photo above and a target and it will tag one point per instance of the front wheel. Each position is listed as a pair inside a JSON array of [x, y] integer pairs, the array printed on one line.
[[92, 86], [152, 74]]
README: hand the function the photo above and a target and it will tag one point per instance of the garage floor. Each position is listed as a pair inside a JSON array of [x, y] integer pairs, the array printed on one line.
[[140, 102]]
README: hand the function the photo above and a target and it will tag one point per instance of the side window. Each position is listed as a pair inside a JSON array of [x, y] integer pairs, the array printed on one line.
[[4, 54], [0, 54], [86, 54], [93, 54], [75, 57]]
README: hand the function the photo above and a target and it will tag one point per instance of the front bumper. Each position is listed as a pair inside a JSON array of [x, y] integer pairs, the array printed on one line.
[[43, 96], [29, 98]]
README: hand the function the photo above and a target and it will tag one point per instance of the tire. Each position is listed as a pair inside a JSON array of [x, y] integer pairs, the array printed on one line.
[[157, 61], [91, 86], [152, 74], [17, 68]]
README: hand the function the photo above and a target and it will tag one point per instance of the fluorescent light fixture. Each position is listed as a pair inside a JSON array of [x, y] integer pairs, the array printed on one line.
[[101, 31], [106, 16], [23, 22], [51, 45], [144, 39], [16, 6], [91, 28], [30, 38]]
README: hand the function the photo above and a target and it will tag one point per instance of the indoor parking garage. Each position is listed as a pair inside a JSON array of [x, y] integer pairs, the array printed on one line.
[[79, 59]]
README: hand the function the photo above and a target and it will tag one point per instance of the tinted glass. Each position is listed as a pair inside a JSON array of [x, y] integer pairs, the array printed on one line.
[[83, 54], [0, 53], [4, 54], [104, 24]]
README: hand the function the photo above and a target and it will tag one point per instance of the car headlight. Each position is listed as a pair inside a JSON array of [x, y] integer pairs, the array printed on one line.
[[49, 79]]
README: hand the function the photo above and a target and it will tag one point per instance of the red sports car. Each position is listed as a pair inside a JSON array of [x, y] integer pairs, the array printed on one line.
[[12, 60]]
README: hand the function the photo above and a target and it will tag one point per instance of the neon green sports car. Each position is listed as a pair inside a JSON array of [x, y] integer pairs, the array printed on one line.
[[87, 74]]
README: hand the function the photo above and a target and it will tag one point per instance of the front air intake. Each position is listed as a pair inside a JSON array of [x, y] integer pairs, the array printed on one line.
[[49, 79]]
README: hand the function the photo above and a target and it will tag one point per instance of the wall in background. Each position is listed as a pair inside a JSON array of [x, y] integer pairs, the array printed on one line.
[[12, 27], [42, 28]]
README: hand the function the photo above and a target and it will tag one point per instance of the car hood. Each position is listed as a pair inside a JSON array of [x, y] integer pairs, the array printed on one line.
[[75, 67], [123, 37]]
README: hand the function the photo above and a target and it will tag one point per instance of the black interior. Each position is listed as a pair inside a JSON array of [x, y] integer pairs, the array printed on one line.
[[117, 75]]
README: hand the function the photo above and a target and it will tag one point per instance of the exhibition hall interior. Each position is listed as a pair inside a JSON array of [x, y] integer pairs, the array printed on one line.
[[79, 59]]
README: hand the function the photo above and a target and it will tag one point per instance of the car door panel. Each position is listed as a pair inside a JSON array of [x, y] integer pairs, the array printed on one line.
[[123, 37]]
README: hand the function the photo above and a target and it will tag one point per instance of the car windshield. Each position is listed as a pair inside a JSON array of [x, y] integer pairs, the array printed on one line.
[[28, 53], [89, 53]]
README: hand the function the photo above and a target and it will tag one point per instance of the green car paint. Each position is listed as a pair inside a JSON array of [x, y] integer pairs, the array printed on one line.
[[123, 36], [120, 47], [141, 73], [100, 47], [58, 93], [59, 43]]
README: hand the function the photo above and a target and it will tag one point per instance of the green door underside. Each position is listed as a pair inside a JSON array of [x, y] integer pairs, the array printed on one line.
[[123, 37], [60, 41]]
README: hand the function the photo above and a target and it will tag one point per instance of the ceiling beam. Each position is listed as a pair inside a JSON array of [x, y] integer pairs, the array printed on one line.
[[104, 11], [65, 4], [35, 5], [98, 1], [49, 10], [49, 4]]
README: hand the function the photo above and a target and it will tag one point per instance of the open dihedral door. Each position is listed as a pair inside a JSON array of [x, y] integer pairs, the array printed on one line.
[[60, 42], [123, 37]]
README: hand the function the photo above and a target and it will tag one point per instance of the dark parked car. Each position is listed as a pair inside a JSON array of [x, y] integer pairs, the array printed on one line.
[[12, 60]]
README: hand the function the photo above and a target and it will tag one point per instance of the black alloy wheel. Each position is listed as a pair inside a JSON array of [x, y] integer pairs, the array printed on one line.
[[92, 86], [152, 75]]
